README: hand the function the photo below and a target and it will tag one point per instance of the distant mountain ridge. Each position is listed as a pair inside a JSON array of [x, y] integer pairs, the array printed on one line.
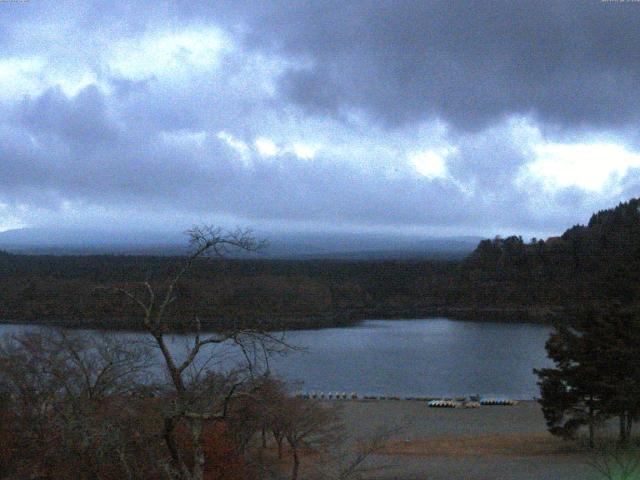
[[596, 264], [279, 246]]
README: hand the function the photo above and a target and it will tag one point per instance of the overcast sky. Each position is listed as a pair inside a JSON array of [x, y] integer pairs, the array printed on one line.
[[429, 117]]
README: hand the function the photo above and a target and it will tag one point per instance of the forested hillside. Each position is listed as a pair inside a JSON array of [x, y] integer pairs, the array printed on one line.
[[599, 262], [503, 279]]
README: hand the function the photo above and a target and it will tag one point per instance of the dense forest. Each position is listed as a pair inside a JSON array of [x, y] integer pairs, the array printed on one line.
[[503, 279]]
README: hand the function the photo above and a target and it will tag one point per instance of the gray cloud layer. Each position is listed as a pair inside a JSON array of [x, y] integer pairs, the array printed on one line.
[[568, 62], [144, 138]]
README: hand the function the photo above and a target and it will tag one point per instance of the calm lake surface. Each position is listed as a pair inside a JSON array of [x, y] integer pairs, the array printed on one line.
[[430, 357]]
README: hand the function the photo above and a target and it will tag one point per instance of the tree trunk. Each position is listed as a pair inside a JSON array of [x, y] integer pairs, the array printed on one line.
[[296, 463], [264, 437], [125, 464], [176, 458], [591, 427], [279, 442], [623, 428], [198, 452]]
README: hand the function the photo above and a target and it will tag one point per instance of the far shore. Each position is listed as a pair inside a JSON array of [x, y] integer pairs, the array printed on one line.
[[347, 319]]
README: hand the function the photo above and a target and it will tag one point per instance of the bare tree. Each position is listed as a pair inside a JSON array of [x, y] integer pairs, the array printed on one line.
[[272, 411], [72, 396], [353, 464], [308, 426], [187, 406], [85, 406]]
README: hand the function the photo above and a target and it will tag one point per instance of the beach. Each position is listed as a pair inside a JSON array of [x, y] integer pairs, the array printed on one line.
[[486, 443]]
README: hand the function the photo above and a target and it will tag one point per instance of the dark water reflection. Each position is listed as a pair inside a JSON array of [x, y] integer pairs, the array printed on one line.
[[435, 357]]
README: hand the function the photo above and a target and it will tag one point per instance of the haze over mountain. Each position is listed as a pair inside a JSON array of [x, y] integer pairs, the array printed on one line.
[[510, 278], [279, 245]]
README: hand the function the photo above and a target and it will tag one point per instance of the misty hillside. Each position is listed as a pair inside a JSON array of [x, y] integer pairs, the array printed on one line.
[[278, 245], [504, 278]]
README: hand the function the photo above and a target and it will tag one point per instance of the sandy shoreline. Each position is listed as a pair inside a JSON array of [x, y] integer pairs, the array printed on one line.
[[490, 442]]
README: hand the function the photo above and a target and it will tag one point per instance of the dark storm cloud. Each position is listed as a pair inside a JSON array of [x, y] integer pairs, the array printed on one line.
[[124, 166], [102, 119], [136, 166], [82, 120], [471, 63]]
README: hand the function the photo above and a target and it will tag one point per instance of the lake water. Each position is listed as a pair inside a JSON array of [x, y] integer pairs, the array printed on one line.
[[429, 357]]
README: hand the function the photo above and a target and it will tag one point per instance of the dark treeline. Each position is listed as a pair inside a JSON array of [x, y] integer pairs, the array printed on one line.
[[504, 278]]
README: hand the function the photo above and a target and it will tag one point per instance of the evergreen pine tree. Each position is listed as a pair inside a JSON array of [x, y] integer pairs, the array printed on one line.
[[596, 374]]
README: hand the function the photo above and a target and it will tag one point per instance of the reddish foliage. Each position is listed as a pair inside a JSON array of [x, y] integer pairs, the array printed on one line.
[[222, 459], [223, 462]]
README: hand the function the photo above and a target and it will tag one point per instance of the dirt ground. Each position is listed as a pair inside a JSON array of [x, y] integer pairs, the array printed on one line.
[[487, 443]]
